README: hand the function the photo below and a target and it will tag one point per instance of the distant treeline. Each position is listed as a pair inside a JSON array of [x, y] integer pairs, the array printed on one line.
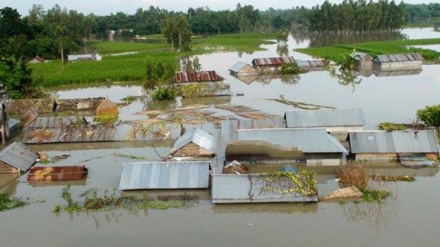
[[50, 33]]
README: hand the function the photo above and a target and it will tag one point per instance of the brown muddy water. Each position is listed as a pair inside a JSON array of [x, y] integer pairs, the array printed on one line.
[[408, 218]]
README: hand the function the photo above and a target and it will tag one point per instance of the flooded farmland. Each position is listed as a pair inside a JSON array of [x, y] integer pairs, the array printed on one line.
[[408, 218]]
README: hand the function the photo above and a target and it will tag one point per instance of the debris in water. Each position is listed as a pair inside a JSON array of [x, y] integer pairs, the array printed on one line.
[[301, 105]]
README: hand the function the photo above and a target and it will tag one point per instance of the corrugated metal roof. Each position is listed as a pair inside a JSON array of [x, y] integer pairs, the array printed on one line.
[[99, 133], [324, 118], [197, 76], [314, 140], [238, 66], [272, 61], [410, 141], [56, 122], [251, 188], [196, 136], [165, 175], [18, 156], [389, 58], [229, 127]]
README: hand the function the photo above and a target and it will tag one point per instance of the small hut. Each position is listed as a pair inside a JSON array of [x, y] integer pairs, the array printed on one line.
[[194, 143], [390, 62], [241, 69], [362, 61], [16, 158], [386, 146], [37, 59]]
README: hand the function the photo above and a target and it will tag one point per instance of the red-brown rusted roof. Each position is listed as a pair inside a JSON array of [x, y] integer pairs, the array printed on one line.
[[197, 76]]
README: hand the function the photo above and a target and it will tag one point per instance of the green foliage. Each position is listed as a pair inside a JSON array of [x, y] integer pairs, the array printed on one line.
[[8, 203], [336, 52], [388, 126], [107, 201], [430, 115], [290, 68], [16, 77], [282, 36], [164, 93], [375, 195], [106, 119]]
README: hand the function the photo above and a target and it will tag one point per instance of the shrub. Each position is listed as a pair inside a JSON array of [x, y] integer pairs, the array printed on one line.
[[430, 115], [164, 93], [290, 68]]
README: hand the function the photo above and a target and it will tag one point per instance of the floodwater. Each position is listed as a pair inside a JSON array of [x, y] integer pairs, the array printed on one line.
[[409, 217]]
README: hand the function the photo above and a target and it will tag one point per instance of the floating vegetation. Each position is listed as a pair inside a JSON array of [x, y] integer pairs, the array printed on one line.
[[353, 174], [375, 195], [8, 203], [94, 202], [388, 126], [303, 182], [158, 128], [301, 105], [133, 157], [393, 178]]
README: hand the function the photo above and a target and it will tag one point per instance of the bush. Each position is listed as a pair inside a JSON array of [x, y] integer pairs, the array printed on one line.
[[164, 93], [290, 68], [430, 115]]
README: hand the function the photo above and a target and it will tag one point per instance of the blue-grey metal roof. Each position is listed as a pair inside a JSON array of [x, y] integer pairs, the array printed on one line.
[[165, 175], [196, 136], [229, 127], [410, 141], [313, 140], [324, 118], [390, 58], [18, 156], [251, 188], [238, 66]]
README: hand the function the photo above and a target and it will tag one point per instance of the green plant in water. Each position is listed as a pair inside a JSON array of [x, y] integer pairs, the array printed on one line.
[[290, 68], [8, 203], [375, 195], [303, 182], [388, 126], [133, 157], [164, 93]]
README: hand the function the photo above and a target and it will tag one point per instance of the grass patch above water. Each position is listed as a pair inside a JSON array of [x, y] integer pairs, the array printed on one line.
[[337, 52], [375, 195]]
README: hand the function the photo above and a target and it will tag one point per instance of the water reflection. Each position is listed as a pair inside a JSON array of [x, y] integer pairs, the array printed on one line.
[[318, 40], [345, 77], [278, 208], [379, 215], [282, 50]]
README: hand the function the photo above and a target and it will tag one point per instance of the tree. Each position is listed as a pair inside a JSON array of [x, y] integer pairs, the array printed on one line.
[[430, 115], [177, 32], [17, 79]]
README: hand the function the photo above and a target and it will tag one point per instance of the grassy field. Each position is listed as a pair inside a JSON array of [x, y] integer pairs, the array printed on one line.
[[131, 67], [336, 52]]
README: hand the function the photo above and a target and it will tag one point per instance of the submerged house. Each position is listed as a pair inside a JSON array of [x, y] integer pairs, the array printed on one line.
[[314, 146], [187, 77], [194, 143], [363, 61], [244, 72], [165, 175], [389, 62], [386, 146], [337, 122], [271, 63], [16, 158], [241, 69], [310, 65]]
